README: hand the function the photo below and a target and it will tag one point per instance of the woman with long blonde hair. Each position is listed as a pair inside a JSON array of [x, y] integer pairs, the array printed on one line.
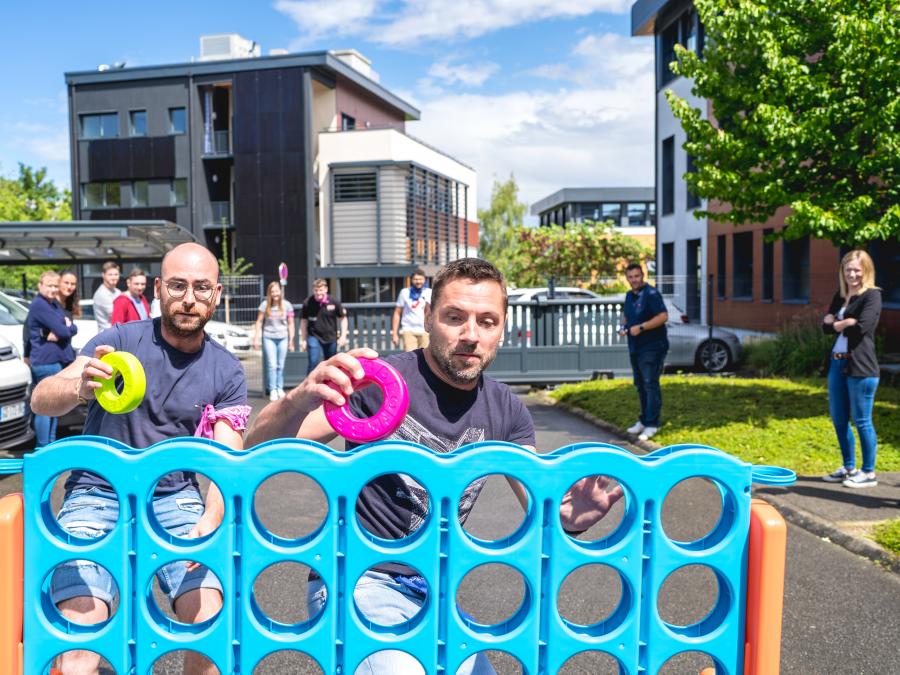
[[853, 367], [275, 323]]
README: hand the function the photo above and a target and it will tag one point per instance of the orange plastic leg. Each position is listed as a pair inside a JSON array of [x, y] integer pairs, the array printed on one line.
[[765, 590], [12, 570]]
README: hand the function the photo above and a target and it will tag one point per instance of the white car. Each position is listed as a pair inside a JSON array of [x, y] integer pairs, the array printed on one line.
[[15, 385]]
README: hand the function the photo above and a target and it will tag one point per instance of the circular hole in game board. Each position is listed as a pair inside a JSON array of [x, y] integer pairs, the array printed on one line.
[[173, 580], [80, 507], [183, 661], [503, 663], [614, 524], [178, 503], [290, 506], [591, 662], [407, 605], [86, 594], [388, 526], [500, 519], [390, 661], [63, 662], [687, 662], [697, 513], [288, 661], [593, 597], [279, 593], [493, 598], [693, 600]]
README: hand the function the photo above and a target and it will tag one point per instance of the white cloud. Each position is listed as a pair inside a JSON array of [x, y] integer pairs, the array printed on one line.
[[601, 57], [468, 74], [417, 21]]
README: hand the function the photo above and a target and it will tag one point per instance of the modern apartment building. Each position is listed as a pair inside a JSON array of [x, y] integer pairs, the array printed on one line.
[[252, 148], [757, 285]]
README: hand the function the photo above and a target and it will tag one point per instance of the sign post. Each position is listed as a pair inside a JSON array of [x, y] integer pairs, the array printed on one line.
[[282, 274]]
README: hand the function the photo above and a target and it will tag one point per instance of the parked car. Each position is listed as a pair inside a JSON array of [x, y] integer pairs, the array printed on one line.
[[15, 388], [12, 318]]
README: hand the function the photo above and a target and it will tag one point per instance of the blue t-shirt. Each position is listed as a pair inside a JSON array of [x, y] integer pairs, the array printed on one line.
[[640, 307], [179, 386]]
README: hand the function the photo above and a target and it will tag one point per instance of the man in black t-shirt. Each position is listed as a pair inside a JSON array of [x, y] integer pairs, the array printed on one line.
[[319, 333], [452, 403]]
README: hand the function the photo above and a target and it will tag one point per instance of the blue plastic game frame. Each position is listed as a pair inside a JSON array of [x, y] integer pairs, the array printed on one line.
[[340, 550]]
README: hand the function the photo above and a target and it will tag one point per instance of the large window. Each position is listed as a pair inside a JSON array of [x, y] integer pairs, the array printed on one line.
[[667, 42], [686, 30], [137, 123], [177, 120], [102, 125], [100, 195], [742, 266], [668, 175], [637, 215], [720, 266], [795, 270], [886, 256], [611, 212], [768, 267], [668, 269], [693, 201], [355, 187], [178, 193], [140, 193]]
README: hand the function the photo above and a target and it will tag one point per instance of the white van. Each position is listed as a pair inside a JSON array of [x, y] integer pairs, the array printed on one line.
[[15, 386]]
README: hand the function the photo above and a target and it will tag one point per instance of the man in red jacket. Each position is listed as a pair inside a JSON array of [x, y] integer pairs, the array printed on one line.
[[132, 305]]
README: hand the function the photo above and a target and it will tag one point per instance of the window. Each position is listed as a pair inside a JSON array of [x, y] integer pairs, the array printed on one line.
[[693, 201], [100, 195], [139, 193], [668, 175], [138, 123], [355, 187], [795, 275], [667, 42], [611, 212], [742, 265], [667, 273], [688, 36], [347, 123], [720, 266], [637, 215], [651, 214], [178, 195], [177, 120], [102, 125], [768, 267], [886, 257]]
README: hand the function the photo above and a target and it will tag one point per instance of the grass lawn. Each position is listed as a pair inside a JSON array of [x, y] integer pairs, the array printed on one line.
[[764, 421], [888, 534]]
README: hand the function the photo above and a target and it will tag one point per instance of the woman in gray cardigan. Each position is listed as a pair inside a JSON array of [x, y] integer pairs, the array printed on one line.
[[853, 367]]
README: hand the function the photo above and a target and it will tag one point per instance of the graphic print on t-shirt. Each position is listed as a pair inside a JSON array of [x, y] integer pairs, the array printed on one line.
[[417, 497]]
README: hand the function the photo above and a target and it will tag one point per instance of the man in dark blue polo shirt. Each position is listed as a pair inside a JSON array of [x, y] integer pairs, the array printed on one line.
[[648, 343]]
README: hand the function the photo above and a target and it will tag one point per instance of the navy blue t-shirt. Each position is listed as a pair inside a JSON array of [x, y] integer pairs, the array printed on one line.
[[640, 307], [442, 418], [179, 386]]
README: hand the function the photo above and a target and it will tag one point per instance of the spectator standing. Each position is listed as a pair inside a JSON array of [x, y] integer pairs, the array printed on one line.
[[648, 343], [853, 372], [275, 323], [69, 298], [106, 294], [319, 334], [50, 349], [132, 305], [408, 321]]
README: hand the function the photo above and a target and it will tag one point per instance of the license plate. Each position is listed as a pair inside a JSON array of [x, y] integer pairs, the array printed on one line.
[[12, 411]]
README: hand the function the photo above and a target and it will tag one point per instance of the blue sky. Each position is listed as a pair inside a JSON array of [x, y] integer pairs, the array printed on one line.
[[553, 91]]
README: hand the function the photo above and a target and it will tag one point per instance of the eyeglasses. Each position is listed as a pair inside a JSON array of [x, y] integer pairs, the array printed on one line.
[[178, 289]]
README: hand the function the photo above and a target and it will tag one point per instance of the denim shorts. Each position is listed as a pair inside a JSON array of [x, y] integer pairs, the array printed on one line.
[[92, 512]]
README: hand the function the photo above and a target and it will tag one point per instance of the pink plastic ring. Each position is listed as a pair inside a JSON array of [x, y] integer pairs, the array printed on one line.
[[383, 423]]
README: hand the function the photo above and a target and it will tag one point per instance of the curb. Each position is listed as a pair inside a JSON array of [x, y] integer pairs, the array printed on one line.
[[793, 514]]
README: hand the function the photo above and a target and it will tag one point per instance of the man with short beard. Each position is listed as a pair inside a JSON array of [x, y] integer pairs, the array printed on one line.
[[452, 403], [190, 379]]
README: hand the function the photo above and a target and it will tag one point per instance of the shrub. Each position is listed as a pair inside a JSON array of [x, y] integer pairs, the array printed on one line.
[[798, 350]]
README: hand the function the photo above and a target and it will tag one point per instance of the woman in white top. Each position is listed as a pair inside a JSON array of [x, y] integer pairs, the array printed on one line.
[[275, 323]]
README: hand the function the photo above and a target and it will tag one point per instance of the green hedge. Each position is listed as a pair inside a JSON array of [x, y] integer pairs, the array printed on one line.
[[764, 421]]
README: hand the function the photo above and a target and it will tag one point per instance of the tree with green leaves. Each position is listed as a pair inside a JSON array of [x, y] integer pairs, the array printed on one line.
[[498, 224], [806, 104]]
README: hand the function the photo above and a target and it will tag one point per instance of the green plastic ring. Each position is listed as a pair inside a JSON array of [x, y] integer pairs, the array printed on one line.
[[134, 384]]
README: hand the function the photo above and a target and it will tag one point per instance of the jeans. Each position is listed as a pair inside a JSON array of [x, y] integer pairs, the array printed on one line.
[[383, 600], [647, 367], [44, 427], [852, 398], [318, 351], [275, 350], [91, 512]]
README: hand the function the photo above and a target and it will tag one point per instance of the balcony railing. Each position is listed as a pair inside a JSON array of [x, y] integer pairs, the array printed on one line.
[[215, 213], [216, 144]]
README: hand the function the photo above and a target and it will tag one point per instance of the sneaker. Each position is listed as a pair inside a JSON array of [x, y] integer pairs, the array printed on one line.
[[648, 433], [273, 395], [861, 479], [281, 393], [636, 428], [839, 475]]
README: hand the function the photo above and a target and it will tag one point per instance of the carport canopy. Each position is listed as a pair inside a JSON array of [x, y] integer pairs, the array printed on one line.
[[87, 241]]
